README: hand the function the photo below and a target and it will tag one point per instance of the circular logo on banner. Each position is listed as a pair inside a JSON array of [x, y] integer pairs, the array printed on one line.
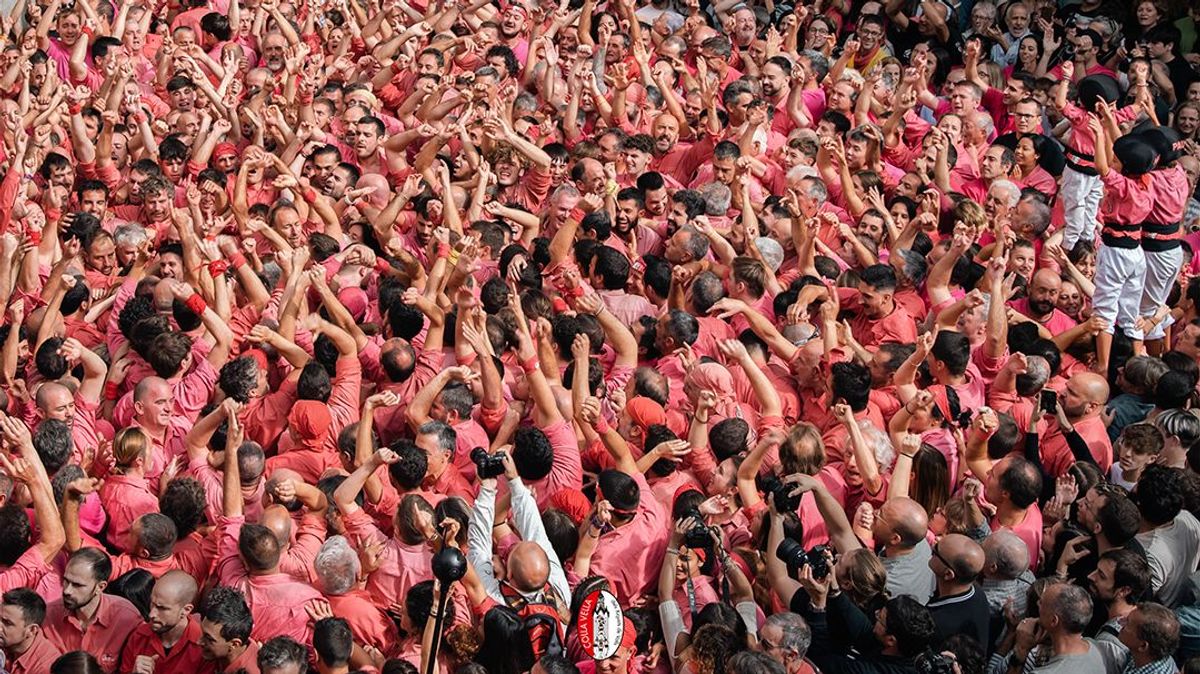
[[601, 625]]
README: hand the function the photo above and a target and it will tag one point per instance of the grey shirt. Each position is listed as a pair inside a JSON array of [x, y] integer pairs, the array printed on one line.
[[910, 574]]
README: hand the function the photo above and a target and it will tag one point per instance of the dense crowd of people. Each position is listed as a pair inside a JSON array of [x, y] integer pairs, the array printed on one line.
[[837, 336]]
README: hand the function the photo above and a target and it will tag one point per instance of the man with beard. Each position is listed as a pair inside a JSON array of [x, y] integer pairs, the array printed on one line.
[[512, 30], [1120, 581], [1041, 302], [672, 159], [169, 639], [1082, 404], [26, 649], [86, 618], [628, 229], [776, 90]]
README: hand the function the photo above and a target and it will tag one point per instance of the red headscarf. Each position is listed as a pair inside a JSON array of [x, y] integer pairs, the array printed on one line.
[[644, 412], [310, 420]]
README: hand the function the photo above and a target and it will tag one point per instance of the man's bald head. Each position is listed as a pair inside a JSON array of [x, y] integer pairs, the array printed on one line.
[[963, 556], [1092, 386], [1046, 279], [1005, 555], [177, 586], [171, 601], [51, 396], [528, 567], [149, 386], [281, 475], [276, 518], [378, 197], [905, 520]]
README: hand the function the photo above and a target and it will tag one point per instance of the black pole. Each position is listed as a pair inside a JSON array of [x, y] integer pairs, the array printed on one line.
[[437, 629]]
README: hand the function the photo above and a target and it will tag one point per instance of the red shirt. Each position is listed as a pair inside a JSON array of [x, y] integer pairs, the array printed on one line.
[[1056, 454], [631, 556], [898, 326], [368, 623], [125, 499], [184, 656], [114, 620], [35, 660]]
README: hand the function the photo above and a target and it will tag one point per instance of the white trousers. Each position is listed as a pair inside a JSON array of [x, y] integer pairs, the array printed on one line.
[[1162, 268], [1120, 277], [1080, 196]]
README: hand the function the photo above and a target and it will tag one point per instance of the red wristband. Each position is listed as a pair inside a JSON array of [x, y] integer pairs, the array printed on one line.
[[237, 261], [112, 390], [196, 304], [217, 267], [382, 266], [443, 250], [74, 108], [309, 195], [467, 359], [529, 365], [576, 214]]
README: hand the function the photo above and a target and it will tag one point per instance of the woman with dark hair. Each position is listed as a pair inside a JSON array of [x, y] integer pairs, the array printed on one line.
[[134, 585], [76, 662], [506, 648], [1029, 54], [1029, 170]]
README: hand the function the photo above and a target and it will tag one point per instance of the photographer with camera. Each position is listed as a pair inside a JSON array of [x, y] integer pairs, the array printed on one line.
[[688, 578], [533, 570]]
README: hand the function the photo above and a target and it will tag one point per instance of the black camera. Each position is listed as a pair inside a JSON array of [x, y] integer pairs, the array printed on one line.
[[697, 536], [792, 553], [773, 487], [487, 465]]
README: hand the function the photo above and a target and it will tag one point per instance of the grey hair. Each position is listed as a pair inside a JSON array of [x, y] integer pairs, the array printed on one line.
[[565, 190], [1040, 218], [879, 444], [817, 62], [983, 122], [914, 266], [1014, 192], [337, 566], [817, 190], [1007, 552], [130, 235], [717, 198], [797, 636]]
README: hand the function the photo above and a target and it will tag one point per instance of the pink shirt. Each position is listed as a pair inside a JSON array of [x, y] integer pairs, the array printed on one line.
[[1056, 454], [277, 601], [628, 308], [1057, 324], [31, 566], [114, 620], [1030, 531], [125, 498], [631, 556], [36, 659], [401, 566], [1169, 195], [1126, 200], [566, 471], [368, 623]]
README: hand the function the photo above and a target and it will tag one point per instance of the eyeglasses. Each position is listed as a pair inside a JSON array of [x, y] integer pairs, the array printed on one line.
[[940, 558], [1025, 115]]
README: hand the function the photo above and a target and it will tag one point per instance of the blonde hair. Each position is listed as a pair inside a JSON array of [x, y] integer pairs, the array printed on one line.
[[802, 451], [128, 446]]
